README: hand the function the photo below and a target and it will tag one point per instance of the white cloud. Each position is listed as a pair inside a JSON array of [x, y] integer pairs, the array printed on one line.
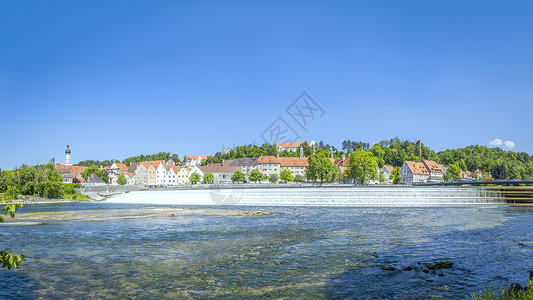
[[508, 144], [496, 142]]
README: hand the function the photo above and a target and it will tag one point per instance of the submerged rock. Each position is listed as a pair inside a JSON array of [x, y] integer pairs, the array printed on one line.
[[439, 265], [514, 288]]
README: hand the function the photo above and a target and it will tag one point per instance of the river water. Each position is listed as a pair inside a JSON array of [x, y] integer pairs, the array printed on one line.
[[324, 247]]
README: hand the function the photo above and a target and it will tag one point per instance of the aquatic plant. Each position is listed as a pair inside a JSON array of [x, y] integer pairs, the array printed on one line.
[[514, 292]]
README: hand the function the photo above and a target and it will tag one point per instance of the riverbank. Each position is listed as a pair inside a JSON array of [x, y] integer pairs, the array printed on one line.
[[40, 200], [44, 217]]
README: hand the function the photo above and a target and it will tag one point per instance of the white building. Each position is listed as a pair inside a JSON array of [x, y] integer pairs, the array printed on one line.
[[293, 146], [436, 172], [221, 174], [387, 172]]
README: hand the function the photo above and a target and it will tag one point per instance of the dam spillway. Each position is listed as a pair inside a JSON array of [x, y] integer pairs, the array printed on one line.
[[317, 196]]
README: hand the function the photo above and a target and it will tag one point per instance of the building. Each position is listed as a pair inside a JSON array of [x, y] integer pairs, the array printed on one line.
[[272, 165], [67, 157], [247, 164], [221, 173], [467, 175], [387, 172], [195, 160], [414, 172], [151, 174], [141, 173], [130, 178], [269, 165], [171, 173], [342, 164], [115, 170], [293, 146], [183, 174], [297, 165], [70, 173], [436, 172], [94, 180]]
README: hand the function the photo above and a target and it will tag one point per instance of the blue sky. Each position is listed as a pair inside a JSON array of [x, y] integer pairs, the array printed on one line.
[[120, 78]]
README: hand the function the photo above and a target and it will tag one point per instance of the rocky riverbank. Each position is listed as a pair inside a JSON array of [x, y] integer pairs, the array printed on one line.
[[38, 218]]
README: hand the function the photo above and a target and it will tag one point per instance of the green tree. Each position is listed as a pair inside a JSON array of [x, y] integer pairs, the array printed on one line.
[[363, 166], [7, 259], [48, 181], [94, 169], [320, 167], [209, 177], [256, 176], [381, 177], [286, 175], [273, 178], [379, 153], [396, 176], [195, 177], [238, 176], [299, 178], [122, 179], [453, 172]]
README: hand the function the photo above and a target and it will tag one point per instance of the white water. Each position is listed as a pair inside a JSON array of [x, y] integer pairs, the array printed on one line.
[[316, 196]]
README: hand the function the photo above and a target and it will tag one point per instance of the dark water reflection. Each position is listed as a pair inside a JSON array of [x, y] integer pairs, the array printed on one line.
[[304, 252]]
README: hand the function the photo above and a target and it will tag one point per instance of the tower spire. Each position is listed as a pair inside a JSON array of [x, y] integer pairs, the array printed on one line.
[[67, 156]]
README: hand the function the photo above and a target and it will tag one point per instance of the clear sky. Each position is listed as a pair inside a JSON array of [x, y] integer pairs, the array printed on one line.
[[120, 78]]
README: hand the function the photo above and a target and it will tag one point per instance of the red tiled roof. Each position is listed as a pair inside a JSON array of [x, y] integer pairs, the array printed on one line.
[[289, 145], [389, 168], [433, 166], [122, 166], [417, 167], [73, 169], [293, 162], [268, 160], [342, 163]]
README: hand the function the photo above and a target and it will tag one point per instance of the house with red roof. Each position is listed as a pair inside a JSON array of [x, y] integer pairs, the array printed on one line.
[[414, 172], [436, 172]]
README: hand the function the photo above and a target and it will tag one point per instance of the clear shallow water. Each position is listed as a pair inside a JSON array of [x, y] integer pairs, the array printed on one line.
[[303, 252]]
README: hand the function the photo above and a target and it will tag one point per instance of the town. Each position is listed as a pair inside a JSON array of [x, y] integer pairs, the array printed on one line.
[[196, 169]]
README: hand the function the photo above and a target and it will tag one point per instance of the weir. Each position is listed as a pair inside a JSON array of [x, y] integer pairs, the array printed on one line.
[[319, 196], [516, 194]]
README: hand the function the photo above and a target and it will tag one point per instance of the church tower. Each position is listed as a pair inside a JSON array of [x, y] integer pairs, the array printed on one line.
[[67, 157]]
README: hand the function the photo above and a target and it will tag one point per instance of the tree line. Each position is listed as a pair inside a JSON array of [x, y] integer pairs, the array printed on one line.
[[139, 158], [40, 180]]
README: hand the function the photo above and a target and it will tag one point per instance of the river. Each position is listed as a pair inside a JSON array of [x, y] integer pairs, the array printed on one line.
[[317, 243]]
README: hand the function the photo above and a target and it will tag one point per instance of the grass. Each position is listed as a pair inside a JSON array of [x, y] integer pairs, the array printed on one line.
[[489, 293]]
